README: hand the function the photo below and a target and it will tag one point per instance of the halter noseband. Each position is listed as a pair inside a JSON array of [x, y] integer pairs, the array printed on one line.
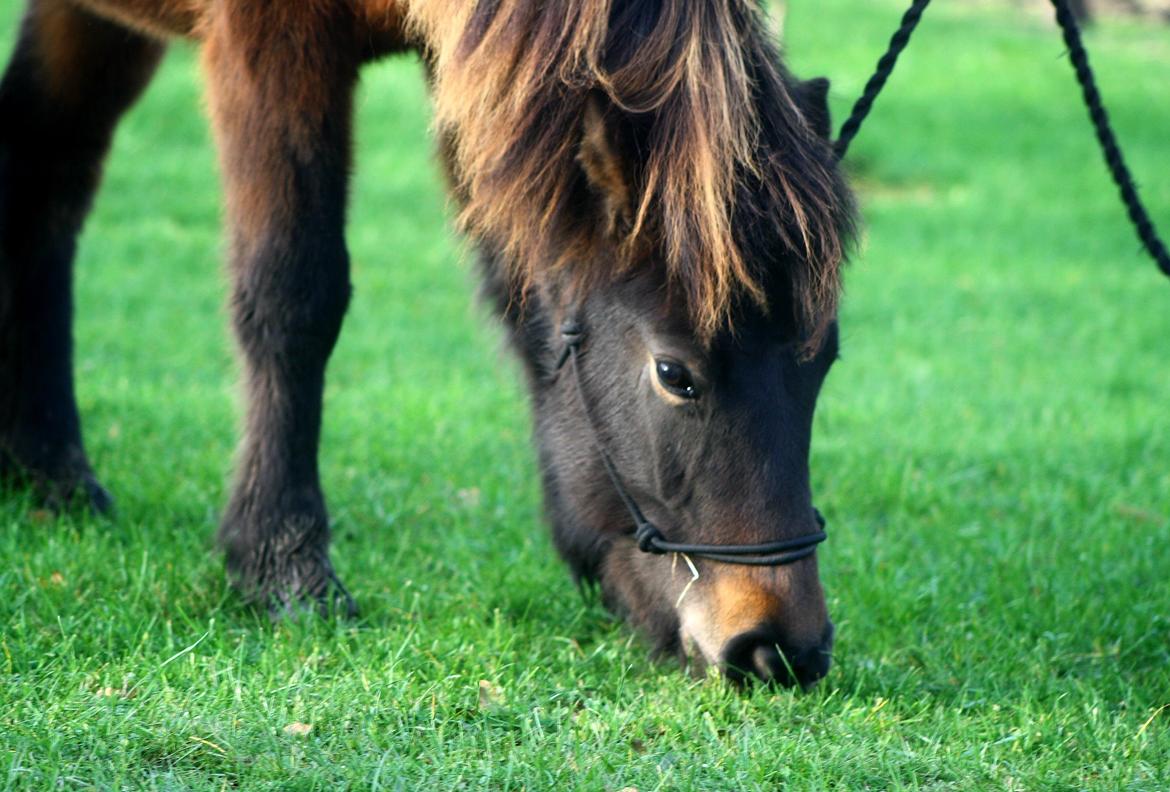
[[646, 534]]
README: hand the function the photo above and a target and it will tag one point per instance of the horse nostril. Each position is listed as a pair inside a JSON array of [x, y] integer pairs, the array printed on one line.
[[760, 656], [768, 663]]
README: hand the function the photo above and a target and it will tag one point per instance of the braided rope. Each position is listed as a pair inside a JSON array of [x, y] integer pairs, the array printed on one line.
[[1108, 140], [877, 82], [1114, 159]]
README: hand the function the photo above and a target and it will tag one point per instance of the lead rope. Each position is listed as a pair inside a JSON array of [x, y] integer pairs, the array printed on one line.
[[877, 82], [1106, 139], [1122, 177]]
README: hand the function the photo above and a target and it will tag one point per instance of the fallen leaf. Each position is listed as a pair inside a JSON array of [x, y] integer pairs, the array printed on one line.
[[1136, 514], [490, 696], [298, 729]]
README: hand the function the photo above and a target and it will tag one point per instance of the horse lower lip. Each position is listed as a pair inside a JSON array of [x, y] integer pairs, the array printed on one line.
[[692, 641]]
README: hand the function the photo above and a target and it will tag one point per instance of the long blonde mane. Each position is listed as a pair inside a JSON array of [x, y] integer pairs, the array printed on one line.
[[720, 138]]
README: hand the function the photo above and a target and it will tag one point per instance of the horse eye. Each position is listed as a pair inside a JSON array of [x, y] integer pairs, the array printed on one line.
[[675, 378]]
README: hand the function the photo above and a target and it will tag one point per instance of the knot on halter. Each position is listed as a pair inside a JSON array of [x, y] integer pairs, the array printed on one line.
[[646, 535]]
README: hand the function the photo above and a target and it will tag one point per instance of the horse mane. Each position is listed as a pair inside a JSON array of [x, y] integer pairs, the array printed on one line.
[[718, 136]]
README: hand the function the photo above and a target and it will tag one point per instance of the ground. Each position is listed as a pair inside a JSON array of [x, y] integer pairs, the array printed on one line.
[[991, 454]]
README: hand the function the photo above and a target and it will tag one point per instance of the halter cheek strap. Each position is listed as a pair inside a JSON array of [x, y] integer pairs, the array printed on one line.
[[647, 536]]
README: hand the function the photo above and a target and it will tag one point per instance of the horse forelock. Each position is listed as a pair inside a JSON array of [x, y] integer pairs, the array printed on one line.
[[720, 137]]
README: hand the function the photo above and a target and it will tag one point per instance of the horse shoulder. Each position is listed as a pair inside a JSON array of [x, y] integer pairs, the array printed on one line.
[[380, 25], [158, 18]]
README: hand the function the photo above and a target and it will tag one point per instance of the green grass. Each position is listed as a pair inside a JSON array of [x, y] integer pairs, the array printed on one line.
[[991, 454]]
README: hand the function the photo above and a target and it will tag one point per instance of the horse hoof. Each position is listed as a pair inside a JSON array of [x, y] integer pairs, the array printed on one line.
[[99, 498], [85, 494], [291, 587], [335, 603], [72, 492]]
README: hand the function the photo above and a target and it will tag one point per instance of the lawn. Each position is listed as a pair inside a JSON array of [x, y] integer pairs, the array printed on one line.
[[991, 453]]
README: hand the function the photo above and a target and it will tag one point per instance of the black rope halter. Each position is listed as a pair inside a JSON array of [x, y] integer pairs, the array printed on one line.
[[646, 534]]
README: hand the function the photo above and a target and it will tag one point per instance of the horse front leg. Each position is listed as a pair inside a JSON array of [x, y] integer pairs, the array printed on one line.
[[70, 79], [281, 80]]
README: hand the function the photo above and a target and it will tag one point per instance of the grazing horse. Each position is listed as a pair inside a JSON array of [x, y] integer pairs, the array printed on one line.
[[653, 199]]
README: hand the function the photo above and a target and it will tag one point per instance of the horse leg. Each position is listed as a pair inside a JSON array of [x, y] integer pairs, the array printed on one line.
[[71, 77], [282, 117]]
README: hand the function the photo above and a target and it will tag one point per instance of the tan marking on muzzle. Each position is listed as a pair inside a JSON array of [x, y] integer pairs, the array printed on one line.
[[736, 601]]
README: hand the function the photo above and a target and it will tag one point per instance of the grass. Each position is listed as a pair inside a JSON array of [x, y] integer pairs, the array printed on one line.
[[991, 455]]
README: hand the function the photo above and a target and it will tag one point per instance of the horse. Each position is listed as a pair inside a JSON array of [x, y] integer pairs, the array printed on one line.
[[661, 226]]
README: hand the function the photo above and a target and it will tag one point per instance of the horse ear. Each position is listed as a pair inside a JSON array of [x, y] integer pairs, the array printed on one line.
[[604, 167], [812, 96]]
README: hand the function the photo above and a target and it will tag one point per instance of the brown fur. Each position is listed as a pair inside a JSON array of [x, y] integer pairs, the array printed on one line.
[[159, 18], [70, 45], [718, 132], [282, 116], [379, 25], [267, 121]]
